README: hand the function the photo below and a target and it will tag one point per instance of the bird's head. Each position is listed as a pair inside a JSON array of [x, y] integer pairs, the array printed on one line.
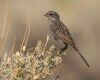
[[52, 15]]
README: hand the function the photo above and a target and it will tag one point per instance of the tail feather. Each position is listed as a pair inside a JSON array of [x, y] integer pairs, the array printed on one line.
[[81, 56]]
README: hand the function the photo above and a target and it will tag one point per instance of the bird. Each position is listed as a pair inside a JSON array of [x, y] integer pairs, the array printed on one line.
[[61, 33]]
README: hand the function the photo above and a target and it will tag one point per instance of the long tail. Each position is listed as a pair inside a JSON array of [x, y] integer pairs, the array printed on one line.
[[81, 55]]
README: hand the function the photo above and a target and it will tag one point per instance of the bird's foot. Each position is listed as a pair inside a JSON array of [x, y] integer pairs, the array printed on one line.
[[60, 52]]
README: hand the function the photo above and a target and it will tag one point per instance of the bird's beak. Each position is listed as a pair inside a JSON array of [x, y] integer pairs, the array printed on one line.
[[46, 15]]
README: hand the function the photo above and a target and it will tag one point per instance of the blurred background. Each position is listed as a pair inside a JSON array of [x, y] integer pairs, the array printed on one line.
[[82, 18]]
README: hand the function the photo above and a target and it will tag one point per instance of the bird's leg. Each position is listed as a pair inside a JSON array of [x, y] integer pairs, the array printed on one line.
[[63, 49]]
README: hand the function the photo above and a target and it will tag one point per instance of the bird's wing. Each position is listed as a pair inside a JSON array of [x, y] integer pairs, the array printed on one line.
[[64, 35]]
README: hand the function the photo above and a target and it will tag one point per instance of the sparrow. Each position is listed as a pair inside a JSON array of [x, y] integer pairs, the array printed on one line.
[[61, 33]]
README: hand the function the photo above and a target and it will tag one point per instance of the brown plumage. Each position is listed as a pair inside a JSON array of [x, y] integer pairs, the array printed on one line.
[[61, 33]]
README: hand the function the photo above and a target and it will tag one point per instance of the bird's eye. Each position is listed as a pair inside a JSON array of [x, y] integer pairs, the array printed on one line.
[[51, 14]]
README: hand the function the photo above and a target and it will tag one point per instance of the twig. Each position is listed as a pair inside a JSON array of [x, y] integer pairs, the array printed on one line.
[[45, 44], [24, 37], [29, 23], [11, 53], [4, 24]]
